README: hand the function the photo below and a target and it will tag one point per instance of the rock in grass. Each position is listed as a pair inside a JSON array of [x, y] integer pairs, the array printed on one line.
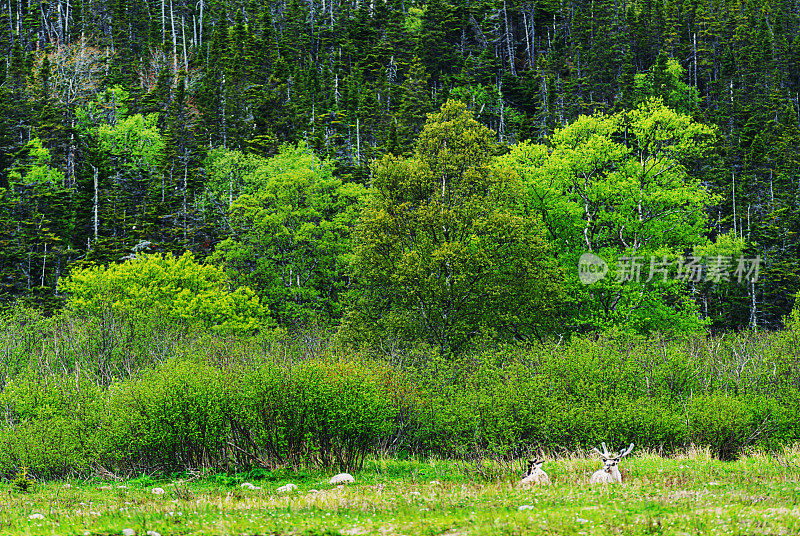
[[128, 532], [36, 516], [158, 491], [342, 478], [287, 488]]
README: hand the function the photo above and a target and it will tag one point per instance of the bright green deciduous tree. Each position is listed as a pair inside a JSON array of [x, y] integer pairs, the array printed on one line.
[[619, 186], [442, 252], [666, 80], [290, 222], [135, 141], [177, 289]]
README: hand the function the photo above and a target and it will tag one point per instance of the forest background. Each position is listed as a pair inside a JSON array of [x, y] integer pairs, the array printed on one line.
[[420, 180]]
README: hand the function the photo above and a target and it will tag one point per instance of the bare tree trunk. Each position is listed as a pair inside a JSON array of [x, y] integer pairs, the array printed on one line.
[[174, 39], [66, 21], [200, 35], [44, 263], [224, 117], [733, 190], [694, 56], [183, 38], [71, 158], [527, 39], [185, 176], [96, 203], [509, 38]]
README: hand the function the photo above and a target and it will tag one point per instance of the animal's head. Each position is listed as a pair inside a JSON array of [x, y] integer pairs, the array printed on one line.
[[534, 465], [610, 460], [610, 463]]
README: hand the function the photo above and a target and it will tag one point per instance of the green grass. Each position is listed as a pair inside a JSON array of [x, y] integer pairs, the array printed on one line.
[[688, 494]]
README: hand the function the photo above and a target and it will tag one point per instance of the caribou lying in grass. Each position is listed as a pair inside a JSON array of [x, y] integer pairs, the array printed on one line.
[[610, 472], [535, 476]]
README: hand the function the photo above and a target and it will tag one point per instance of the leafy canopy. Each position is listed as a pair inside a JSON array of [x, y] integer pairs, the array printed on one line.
[[177, 289], [290, 223], [442, 253], [620, 187]]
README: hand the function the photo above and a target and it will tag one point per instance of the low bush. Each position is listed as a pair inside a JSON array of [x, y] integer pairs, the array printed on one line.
[[171, 417], [53, 423], [326, 412], [722, 422], [136, 397]]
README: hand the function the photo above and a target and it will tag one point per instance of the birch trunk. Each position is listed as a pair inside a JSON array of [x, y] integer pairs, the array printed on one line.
[[96, 203], [174, 39], [183, 38]]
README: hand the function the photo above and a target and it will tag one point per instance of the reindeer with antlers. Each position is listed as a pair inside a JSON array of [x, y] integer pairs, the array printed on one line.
[[535, 476], [610, 472]]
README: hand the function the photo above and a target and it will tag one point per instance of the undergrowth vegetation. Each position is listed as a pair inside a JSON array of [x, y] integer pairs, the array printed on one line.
[[688, 493], [131, 396]]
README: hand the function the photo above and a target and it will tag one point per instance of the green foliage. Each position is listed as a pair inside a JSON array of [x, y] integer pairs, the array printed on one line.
[[53, 423], [793, 322], [172, 416], [619, 187], [326, 412], [442, 253], [721, 422], [291, 222], [136, 140], [180, 289], [22, 482], [78, 394], [666, 80], [38, 170]]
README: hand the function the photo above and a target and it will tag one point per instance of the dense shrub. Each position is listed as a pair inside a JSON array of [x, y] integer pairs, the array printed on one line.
[[132, 395], [53, 423], [512, 407], [330, 412], [721, 422], [180, 289], [172, 416]]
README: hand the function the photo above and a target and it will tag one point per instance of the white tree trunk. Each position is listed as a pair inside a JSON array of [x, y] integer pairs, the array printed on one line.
[[174, 39]]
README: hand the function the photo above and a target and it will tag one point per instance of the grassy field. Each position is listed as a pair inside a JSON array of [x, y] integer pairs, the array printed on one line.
[[688, 494]]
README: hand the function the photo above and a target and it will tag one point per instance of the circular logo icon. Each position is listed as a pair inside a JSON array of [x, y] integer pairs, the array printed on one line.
[[591, 268]]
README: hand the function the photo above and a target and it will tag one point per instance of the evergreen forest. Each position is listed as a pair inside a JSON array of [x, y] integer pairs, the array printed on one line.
[[268, 139]]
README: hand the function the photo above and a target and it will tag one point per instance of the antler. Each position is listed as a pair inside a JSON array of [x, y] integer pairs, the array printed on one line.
[[605, 453], [626, 452]]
